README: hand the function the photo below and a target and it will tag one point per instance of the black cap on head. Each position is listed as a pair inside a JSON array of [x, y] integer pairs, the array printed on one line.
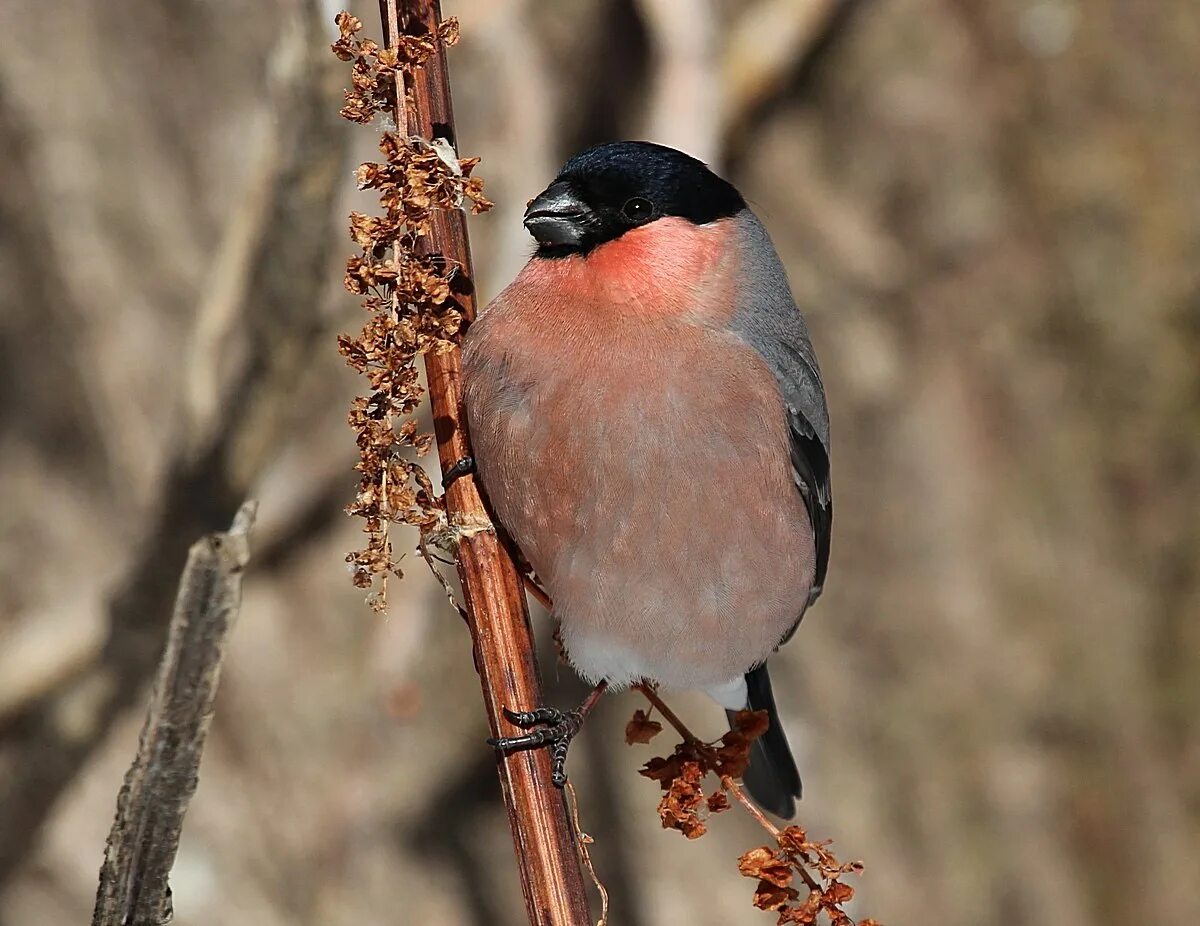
[[607, 190]]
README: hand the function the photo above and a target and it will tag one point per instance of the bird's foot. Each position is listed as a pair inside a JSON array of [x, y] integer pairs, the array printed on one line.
[[557, 730], [464, 467]]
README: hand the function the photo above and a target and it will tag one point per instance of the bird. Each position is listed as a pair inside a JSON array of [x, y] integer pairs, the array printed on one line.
[[649, 425]]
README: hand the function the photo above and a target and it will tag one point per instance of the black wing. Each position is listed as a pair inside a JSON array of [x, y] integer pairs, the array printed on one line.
[[810, 467]]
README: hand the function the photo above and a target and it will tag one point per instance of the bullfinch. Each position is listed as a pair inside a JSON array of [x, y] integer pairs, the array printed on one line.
[[649, 423]]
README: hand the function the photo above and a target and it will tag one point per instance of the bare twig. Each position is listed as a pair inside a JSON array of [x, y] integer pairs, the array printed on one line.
[[730, 785], [684, 101], [499, 621], [669, 715], [134, 889], [538, 593], [423, 549], [765, 44], [583, 840], [740, 795]]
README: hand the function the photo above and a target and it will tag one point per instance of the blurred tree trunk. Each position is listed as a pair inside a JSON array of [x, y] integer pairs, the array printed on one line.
[[1001, 240]]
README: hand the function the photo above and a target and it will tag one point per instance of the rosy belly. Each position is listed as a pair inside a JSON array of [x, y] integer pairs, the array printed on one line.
[[654, 501]]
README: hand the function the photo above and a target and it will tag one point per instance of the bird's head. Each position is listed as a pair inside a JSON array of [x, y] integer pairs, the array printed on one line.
[[606, 191]]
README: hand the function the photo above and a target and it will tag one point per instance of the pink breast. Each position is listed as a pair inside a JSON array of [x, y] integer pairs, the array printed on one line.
[[638, 454]]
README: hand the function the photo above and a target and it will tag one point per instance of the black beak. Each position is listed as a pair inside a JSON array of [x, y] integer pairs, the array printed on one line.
[[558, 217]]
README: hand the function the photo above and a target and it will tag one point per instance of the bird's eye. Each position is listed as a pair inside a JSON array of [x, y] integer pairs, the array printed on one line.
[[638, 209]]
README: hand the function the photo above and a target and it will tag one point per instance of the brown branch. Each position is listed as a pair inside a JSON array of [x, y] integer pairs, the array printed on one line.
[[538, 593], [730, 785], [499, 621], [740, 795], [134, 889], [585, 857], [669, 715]]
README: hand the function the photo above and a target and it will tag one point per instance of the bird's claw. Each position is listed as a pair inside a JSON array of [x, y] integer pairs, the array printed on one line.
[[548, 715], [559, 729], [464, 467]]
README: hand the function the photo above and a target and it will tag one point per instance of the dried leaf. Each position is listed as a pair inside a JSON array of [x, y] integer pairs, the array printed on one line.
[[641, 729], [805, 913], [733, 756], [768, 896], [766, 864], [678, 807], [664, 771]]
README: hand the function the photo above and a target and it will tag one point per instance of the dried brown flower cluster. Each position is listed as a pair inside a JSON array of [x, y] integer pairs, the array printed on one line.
[[685, 807], [410, 296], [793, 859], [377, 72]]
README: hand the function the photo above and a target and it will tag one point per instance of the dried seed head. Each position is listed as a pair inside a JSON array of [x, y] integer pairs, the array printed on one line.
[[777, 870], [409, 295]]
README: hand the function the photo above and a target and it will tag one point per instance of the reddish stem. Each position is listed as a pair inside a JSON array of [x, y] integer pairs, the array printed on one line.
[[547, 857], [669, 715]]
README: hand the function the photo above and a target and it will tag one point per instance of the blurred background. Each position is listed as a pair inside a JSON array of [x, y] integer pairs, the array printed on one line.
[[990, 211]]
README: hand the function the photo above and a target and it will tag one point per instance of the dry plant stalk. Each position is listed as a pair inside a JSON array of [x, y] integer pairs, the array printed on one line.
[[686, 808], [408, 293], [414, 274], [160, 783]]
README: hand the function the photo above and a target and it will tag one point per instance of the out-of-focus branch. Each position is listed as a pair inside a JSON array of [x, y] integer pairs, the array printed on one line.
[[46, 744], [134, 889], [684, 105], [323, 507], [42, 359], [766, 44], [499, 621]]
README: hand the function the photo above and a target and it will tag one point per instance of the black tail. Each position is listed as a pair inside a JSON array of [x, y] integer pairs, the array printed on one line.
[[771, 778]]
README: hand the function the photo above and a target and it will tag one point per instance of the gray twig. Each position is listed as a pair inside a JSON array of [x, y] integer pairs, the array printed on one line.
[[134, 889]]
